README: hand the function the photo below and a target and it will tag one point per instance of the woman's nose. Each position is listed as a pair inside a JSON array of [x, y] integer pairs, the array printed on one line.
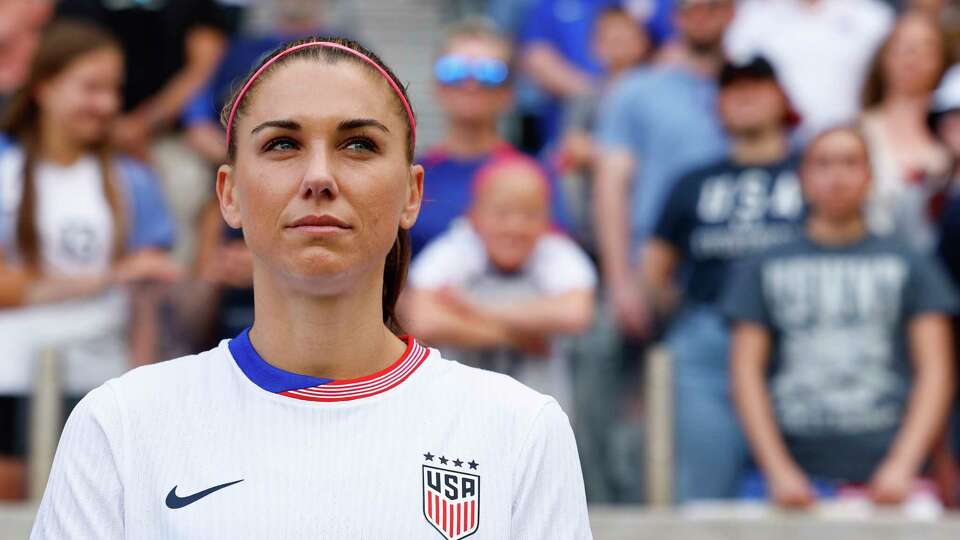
[[318, 179]]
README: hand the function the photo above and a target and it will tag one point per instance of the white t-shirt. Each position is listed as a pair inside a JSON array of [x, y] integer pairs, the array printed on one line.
[[557, 265], [821, 50], [76, 230], [225, 445]]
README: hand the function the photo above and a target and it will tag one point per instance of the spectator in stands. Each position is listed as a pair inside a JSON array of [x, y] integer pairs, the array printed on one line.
[[607, 439], [812, 41], [620, 45], [556, 51], [714, 217], [219, 304], [20, 26], [79, 227], [172, 48], [841, 349], [500, 287], [473, 76], [908, 161], [655, 125]]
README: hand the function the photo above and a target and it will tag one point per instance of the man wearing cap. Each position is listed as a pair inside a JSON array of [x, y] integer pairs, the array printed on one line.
[[821, 49], [716, 215]]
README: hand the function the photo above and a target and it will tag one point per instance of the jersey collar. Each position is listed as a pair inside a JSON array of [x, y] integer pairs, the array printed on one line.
[[304, 387]]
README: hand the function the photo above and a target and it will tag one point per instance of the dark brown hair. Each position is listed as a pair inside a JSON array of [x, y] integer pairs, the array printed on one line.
[[398, 260], [875, 86], [62, 44], [852, 129]]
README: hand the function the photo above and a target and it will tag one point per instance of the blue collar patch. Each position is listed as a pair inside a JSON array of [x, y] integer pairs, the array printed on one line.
[[264, 375]]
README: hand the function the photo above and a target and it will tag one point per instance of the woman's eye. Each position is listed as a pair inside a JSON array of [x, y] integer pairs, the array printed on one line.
[[281, 144], [361, 145]]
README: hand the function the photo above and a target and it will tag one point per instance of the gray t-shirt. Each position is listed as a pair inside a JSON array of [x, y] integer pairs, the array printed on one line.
[[840, 375]]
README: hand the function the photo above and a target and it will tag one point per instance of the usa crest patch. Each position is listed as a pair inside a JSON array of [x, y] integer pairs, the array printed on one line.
[[451, 498]]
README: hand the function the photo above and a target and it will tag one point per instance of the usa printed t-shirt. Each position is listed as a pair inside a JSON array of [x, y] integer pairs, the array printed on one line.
[[840, 374], [226, 445], [724, 212]]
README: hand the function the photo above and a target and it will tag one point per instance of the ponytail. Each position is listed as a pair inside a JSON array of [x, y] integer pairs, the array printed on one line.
[[394, 277]]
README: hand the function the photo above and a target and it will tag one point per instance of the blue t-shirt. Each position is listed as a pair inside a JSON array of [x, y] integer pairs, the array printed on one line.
[[566, 25], [447, 192], [666, 118], [725, 212], [840, 373]]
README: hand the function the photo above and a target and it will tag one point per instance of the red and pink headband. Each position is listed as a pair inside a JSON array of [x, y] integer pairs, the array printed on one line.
[[328, 44]]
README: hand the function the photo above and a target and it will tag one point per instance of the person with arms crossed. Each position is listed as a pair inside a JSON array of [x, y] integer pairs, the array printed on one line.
[[319, 421], [714, 217], [501, 289], [841, 352]]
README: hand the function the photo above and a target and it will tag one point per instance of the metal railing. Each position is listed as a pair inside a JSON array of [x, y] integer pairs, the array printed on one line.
[[658, 397], [46, 421]]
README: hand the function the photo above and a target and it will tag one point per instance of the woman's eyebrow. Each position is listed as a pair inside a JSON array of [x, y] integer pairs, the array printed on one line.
[[357, 123], [282, 124]]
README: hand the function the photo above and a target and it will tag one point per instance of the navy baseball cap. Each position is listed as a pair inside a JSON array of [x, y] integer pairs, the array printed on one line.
[[757, 68]]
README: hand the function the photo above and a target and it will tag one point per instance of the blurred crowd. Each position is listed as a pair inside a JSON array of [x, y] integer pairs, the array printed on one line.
[[768, 190]]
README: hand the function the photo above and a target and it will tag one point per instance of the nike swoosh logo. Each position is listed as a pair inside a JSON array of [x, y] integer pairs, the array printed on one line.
[[174, 501]]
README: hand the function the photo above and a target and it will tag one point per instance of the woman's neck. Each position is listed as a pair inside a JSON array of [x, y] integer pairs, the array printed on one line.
[[840, 232], [56, 146], [906, 109], [326, 336], [471, 139]]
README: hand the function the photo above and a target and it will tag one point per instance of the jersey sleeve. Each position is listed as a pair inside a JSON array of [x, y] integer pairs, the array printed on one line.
[[448, 260], [928, 288], [84, 495], [549, 499], [743, 299], [616, 127], [561, 266], [150, 221]]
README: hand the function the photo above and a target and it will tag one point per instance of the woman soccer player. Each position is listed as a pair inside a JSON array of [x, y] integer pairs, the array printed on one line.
[[318, 422]]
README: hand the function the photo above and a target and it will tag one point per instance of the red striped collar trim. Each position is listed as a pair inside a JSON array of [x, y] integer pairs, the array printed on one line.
[[371, 385]]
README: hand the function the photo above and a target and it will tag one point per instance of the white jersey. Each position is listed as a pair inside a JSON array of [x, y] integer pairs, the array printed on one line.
[[225, 445]]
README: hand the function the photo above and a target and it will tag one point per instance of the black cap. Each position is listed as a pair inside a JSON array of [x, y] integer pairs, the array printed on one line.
[[754, 69]]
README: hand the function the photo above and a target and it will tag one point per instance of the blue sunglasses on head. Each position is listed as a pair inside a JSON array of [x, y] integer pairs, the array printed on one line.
[[453, 70]]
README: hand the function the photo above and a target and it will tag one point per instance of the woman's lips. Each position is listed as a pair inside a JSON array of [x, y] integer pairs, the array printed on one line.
[[323, 225]]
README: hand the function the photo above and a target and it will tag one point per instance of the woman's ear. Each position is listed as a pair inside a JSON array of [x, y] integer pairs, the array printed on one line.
[[414, 197], [227, 194]]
